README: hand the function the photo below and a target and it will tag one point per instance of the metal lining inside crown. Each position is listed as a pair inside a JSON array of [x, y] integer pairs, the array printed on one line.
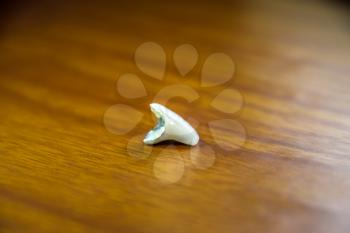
[[158, 130]]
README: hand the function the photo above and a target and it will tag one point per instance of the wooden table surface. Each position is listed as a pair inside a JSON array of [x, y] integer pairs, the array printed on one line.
[[62, 169]]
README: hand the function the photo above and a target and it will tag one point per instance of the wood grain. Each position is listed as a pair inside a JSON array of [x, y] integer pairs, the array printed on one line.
[[61, 170]]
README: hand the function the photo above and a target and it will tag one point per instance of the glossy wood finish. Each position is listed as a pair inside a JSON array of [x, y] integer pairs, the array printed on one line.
[[62, 171]]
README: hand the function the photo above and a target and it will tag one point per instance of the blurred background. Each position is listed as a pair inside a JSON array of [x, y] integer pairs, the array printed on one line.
[[278, 163]]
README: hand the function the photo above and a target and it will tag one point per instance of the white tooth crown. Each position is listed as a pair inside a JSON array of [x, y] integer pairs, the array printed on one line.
[[170, 126]]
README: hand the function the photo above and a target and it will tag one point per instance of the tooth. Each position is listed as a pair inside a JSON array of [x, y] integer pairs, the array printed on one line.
[[170, 126]]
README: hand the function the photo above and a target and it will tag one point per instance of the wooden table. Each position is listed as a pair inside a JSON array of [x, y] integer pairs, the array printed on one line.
[[63, 170]]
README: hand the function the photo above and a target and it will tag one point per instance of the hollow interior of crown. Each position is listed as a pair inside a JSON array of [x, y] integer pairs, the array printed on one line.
[[157, 131]]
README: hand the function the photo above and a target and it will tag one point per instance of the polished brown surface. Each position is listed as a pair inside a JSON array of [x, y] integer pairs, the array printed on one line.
[[61, 170]]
